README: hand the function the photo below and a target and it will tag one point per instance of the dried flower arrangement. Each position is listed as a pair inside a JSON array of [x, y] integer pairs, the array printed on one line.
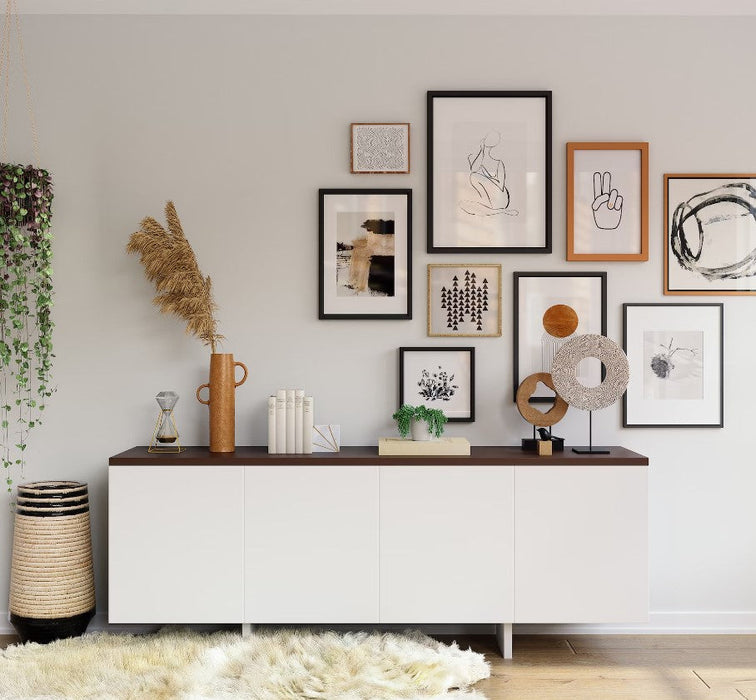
[[25, 301], [170, 263]]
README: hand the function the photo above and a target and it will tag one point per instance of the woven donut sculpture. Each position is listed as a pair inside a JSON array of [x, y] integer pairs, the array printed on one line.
[[564, 372]]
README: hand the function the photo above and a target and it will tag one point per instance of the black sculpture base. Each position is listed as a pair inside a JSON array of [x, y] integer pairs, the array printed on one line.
[[43, 631], [590, 451], [531, 444]]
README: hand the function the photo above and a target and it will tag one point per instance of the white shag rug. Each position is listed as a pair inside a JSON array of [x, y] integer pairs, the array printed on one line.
[[284, 664]]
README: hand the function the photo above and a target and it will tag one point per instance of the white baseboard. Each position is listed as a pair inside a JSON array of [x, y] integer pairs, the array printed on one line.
[[658, 623]]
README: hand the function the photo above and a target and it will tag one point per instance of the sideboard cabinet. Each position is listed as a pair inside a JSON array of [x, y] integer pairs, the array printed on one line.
[[498, 537]]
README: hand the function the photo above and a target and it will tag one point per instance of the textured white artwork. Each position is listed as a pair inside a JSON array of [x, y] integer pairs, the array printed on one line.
[[380, 148]]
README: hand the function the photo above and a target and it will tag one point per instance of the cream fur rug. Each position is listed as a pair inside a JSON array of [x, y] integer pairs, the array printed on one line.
[[283, 664]]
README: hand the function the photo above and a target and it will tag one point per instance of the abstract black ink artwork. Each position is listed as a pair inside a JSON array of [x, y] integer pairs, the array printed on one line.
[[488, 178], [436, 386], [364, 255], [699, 222], [466, 302], [607, 203]]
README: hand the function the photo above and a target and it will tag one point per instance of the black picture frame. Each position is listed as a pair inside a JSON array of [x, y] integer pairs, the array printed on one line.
[[340, 214], [697, 397], [577, 296], [498, 113], [415, 361]]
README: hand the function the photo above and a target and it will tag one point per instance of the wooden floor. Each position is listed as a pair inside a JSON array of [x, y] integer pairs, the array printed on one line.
[[642, 667]]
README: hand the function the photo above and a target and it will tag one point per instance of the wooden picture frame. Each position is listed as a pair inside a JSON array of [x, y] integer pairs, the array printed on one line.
[[709, 220], [379, 148], [607, 201], [533, 347], [489, 171], [365, 254], [464, 300], [439, 377], [676, 356]]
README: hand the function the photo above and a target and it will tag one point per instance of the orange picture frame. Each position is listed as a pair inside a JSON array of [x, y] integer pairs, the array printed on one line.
[[607, 201]]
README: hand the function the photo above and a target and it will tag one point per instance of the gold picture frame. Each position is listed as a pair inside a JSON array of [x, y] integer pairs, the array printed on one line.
[[464, 301]]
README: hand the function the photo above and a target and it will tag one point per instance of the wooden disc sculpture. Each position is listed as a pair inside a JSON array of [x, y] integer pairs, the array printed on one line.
[[529, 412], [564, 372]]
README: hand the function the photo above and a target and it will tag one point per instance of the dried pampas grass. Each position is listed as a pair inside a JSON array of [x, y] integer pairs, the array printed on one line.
[[170, 263]]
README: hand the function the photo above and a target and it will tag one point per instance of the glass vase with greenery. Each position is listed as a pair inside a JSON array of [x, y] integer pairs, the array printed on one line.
[[25, 302]]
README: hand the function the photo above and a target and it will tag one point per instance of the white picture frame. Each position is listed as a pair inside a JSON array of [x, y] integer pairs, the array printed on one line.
[[380, 148]]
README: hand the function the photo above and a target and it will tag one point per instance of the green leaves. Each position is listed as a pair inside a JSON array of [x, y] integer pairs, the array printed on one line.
[[26, 293]]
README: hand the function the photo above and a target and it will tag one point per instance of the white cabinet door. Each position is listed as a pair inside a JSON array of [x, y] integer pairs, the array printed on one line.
[[176, 544], [581, 544], [446, 544], [311, 546]]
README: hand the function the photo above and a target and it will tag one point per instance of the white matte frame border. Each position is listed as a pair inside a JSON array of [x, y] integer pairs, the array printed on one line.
[[640, 409]]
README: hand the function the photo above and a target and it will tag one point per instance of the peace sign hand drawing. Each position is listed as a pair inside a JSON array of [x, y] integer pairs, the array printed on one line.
[[607, 203]]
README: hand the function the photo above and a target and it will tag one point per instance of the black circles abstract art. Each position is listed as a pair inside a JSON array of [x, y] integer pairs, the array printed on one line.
[[464, 300], [710, 234]]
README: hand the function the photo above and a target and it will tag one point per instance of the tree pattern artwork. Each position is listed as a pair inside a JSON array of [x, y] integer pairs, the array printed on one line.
[[465, 302]]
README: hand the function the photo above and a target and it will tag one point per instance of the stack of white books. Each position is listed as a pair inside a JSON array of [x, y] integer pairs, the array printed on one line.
[[290, 422]]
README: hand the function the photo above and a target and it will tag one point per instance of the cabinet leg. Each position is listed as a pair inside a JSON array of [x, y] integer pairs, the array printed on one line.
[[504, 638], [248, 629]]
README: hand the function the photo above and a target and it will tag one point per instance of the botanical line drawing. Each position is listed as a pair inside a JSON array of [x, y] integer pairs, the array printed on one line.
[[488, 180], [437, 385], [696, 230], [607, 203], [661, 362], [467, 303]]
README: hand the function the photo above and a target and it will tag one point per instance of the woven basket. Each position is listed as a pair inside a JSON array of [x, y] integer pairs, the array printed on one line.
[[52, 582]]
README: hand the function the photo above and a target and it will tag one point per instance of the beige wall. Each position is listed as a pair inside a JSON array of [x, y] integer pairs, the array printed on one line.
[[241, 120]]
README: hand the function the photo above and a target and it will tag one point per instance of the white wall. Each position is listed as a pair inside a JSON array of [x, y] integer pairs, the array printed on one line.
[[241, 120]]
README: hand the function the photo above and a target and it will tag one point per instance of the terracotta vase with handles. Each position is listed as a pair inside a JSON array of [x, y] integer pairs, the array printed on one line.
[[221, 400]]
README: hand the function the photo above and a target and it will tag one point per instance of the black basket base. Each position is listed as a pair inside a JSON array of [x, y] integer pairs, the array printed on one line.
[[43, 631]]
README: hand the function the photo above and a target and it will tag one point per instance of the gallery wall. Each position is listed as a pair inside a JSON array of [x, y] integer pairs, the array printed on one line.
[[240, 120]]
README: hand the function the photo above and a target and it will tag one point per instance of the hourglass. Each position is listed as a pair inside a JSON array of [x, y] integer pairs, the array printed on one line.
[[165, 437]]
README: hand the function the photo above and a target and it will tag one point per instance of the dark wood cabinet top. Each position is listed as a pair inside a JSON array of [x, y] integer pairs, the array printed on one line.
[[258, 455]]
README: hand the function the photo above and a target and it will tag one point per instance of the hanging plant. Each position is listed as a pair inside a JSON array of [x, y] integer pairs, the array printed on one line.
[[25, 301]]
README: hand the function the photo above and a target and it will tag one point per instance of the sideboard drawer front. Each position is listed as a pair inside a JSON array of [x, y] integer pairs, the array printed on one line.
[[176, 544], [447, 544], [311, 551], [581, 544]]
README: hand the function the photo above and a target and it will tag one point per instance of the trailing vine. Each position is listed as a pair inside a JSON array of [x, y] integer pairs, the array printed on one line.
[[434, 417], [25, 302]]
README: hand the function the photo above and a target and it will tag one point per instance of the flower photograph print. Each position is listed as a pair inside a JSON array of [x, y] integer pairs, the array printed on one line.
[[675, 353]]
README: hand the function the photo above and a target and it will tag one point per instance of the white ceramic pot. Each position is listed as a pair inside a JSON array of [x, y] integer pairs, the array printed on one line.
[[419, 430]]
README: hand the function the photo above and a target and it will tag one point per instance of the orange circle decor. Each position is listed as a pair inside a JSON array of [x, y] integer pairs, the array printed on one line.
[[529, 412], [560, 320]]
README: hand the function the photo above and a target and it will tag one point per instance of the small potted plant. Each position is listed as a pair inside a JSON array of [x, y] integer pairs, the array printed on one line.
[[424, 423]]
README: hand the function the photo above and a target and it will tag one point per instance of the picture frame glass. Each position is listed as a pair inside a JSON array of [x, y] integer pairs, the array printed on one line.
[[676, 364], [534, 347], [710, 234], [608, 203], [464, 300], [441, 378], [365, 247], [489, 172]]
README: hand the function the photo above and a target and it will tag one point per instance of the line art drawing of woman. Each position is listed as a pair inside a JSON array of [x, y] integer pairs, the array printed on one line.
[[488, 180]]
